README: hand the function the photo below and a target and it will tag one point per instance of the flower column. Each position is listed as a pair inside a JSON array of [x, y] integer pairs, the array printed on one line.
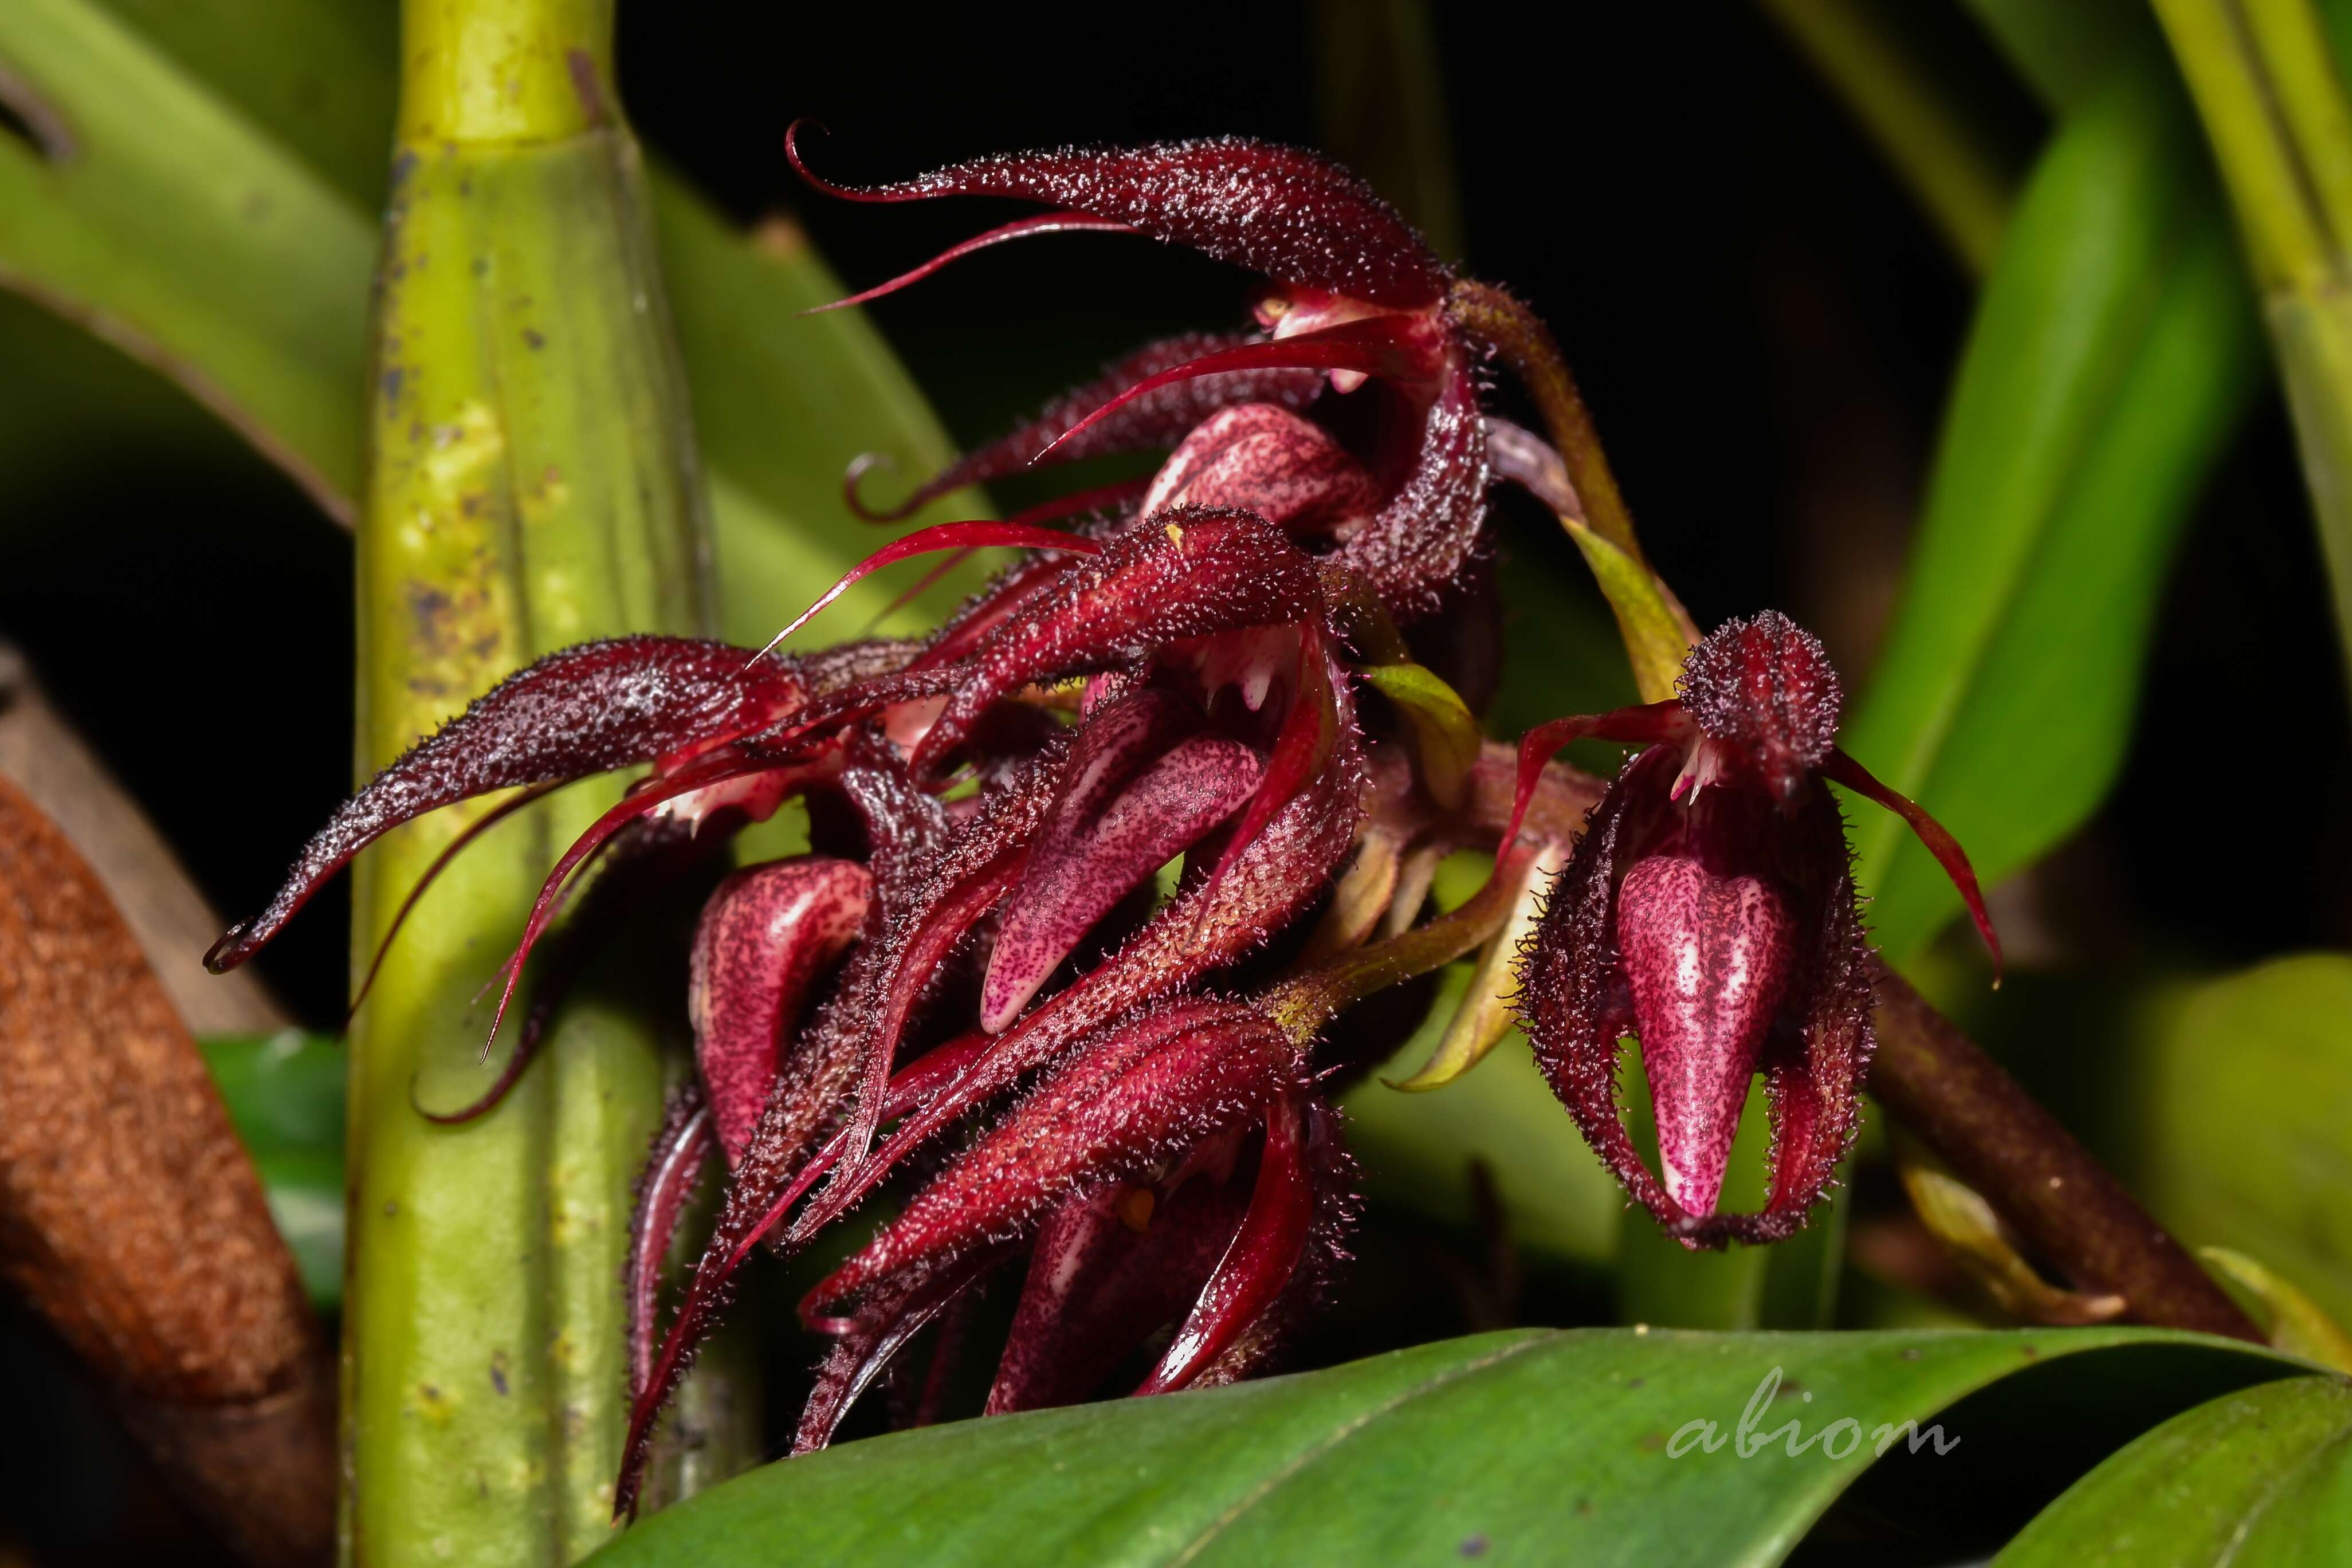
[[532, 483]]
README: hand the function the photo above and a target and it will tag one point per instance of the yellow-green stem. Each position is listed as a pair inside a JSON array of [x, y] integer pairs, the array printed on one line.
[[2274, 107], [532, 482]]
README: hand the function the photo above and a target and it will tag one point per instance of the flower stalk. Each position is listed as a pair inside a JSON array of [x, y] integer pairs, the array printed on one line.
[[1959, 1101]]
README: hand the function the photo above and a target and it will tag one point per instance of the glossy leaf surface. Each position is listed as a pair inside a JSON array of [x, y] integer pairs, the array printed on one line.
[[1533, 1446], [2258, 1477]]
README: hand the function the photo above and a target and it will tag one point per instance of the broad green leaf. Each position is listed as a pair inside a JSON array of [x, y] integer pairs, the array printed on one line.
[[1582, 1445], [2257, 1477], [2111, 356], [159, 221], [217, 221], [2244, 1119]]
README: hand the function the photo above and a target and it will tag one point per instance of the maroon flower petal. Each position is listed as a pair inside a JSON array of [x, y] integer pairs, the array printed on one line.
[[1020, 228], [1845, 770], [1139, 1092], [1400, 348], [1170, 808], [767, 935], [1178, 575], [1109, 1269], [1571, 1001], [681, 1151], [1265, 1253], [1263, 458], [1287, 213], [1428, 533], [585, 710], [881, 1329], [1204, 929], [1709, 958]]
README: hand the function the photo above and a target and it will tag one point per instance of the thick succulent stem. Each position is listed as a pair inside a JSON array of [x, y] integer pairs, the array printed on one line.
[[532, 483], [1932, 1078]]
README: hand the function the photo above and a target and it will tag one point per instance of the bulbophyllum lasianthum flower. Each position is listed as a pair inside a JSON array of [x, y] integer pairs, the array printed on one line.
[[976, 954], [1709, 912]]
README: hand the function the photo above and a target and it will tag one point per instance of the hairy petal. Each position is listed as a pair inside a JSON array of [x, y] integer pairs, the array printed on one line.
[[1107, 1269], [1204, 929], [766, 937], [587, 709], [681, 1150], [1178, 575], [1142, 1092], [881, 1329], [1428, 534], [1291, 214], [1077, 875], [1569, 986], [1265, 1253], [1264, 458]]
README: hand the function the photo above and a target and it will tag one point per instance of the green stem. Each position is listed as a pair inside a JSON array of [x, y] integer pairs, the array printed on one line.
[[532, 482], [2275, 109], [1951, 170]]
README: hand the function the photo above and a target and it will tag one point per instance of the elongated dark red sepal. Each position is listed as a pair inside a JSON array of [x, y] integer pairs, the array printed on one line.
[[1290, 215], [981, 534], [768, 935], [1107, 1272], [1207, 927], [1020, 228], [1142, 1091], [1094, 853], [1176, 575], [1843, 769], [681, 1152], [1430, 532], [1257, 1266], [883, 1327], [585, 710], [1159, 418], [1405, 349], [1645, 725]]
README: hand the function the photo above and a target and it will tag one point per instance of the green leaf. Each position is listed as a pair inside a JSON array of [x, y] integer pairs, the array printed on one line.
[[2113, 355], [285, 1093], [1527, 1447], [2255, 1477], [159, 221], [2243, 1112], [216, 221]]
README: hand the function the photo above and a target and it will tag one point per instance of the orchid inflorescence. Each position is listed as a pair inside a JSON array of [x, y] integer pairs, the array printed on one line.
[[1261, 662]]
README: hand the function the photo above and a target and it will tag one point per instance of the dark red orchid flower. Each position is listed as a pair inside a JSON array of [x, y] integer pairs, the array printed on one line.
[[1709, 912], [976, 979]]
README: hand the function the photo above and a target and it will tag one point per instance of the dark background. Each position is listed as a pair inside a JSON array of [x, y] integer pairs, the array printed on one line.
[[1763, 324]]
